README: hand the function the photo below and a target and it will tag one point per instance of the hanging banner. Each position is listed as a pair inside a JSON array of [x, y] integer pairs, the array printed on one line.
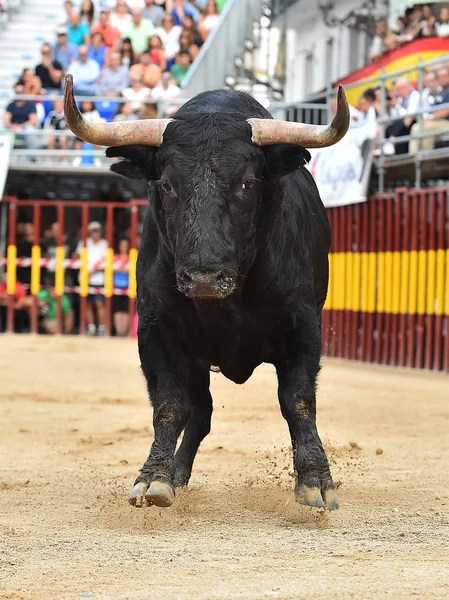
[[342, 172], [6, 145]]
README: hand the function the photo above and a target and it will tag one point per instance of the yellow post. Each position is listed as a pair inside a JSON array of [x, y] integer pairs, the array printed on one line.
[[132, 272], [59, 272], [431, 277], [413, 284], [35, 270], [12, 270], [109, 273], [84, 273], [381, 277], [404, 287], [356, 261], [395, 282], [422, 276], [439, 286], [389, 284]]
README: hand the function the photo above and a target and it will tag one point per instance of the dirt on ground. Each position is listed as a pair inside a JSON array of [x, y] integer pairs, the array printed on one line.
[[75, 426]]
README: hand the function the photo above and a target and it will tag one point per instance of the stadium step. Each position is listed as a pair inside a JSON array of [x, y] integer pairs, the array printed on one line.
[[20, 41]]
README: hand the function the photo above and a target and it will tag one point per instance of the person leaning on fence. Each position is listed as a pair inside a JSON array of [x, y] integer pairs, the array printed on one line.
[[121, 282], [21, 118], [439, 119], [96, 254], [48, 311]]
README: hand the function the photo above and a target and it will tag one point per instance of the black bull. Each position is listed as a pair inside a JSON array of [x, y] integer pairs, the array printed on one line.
[[232, 272]]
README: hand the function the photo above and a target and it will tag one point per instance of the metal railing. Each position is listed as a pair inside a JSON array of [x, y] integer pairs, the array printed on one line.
[[43, 158], [384, 80], [216, 57]]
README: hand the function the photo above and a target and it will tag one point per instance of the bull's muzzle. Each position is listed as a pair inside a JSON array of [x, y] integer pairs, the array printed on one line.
[[206, 284]]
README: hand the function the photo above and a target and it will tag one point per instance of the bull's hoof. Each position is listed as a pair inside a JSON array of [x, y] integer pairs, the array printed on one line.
[[137, 495], [160, 493], [314, 496]]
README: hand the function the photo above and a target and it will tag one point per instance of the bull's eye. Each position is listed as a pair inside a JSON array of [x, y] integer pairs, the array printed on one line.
[[166, 187], [248, 183]]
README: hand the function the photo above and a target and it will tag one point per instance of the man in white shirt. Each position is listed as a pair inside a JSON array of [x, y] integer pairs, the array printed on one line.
[[96, 253], [408, 104], [85, 73], [166, 89]]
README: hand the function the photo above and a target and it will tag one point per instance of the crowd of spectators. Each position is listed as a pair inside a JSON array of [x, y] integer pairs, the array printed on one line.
[[97, 247], [133, 49], [402, 103], [420, 21]]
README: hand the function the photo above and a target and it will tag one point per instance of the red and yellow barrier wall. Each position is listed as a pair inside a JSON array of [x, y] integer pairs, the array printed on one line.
[[388, 299]]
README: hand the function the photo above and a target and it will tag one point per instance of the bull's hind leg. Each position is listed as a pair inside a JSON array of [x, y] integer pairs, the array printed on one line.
[[167, 375], [198, 425], [297, 374]]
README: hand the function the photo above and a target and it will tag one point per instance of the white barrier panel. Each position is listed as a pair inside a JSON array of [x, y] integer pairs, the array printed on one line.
[[342, 172], [6, 145]]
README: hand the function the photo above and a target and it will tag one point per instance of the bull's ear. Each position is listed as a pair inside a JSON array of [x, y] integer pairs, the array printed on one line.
[[139, 161], [284, 158]]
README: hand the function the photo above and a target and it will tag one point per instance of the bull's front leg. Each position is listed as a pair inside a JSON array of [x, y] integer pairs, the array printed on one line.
[[166, 372], [297, 375]]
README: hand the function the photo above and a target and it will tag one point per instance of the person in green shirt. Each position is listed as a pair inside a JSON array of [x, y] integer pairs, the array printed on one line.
[[48, 308], [139, 31], [181, 66]]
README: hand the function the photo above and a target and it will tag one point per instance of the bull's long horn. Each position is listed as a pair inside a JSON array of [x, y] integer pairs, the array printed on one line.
[[269, 131], [145, 132]]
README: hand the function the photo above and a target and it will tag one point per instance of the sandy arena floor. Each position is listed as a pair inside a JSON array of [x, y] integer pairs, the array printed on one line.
[[75, 428]]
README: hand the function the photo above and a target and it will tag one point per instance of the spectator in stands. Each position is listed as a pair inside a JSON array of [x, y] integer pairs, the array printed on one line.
[[87, 13], [64, 18], [121, 282], [408, 104], [169, 33], [442, 27], [136, 93], [50, 243], [64, 51], [428, 21], [96, 254], [85, 73], [187, 42], [209, 20], [181, 66], [77, 32], [182, 8], [138, 31], [431, 88], [438, 119], [189, 25], [111, 35], [167, 89], [114, 79], [49, 71], [146, 70], [31, 84], [152, 12], [55, 121], [125, 112], [378, 46], [97, 49], [120, 17], [21, 118], [367, 107], [157, 52], [48, 310], [127, 53]]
